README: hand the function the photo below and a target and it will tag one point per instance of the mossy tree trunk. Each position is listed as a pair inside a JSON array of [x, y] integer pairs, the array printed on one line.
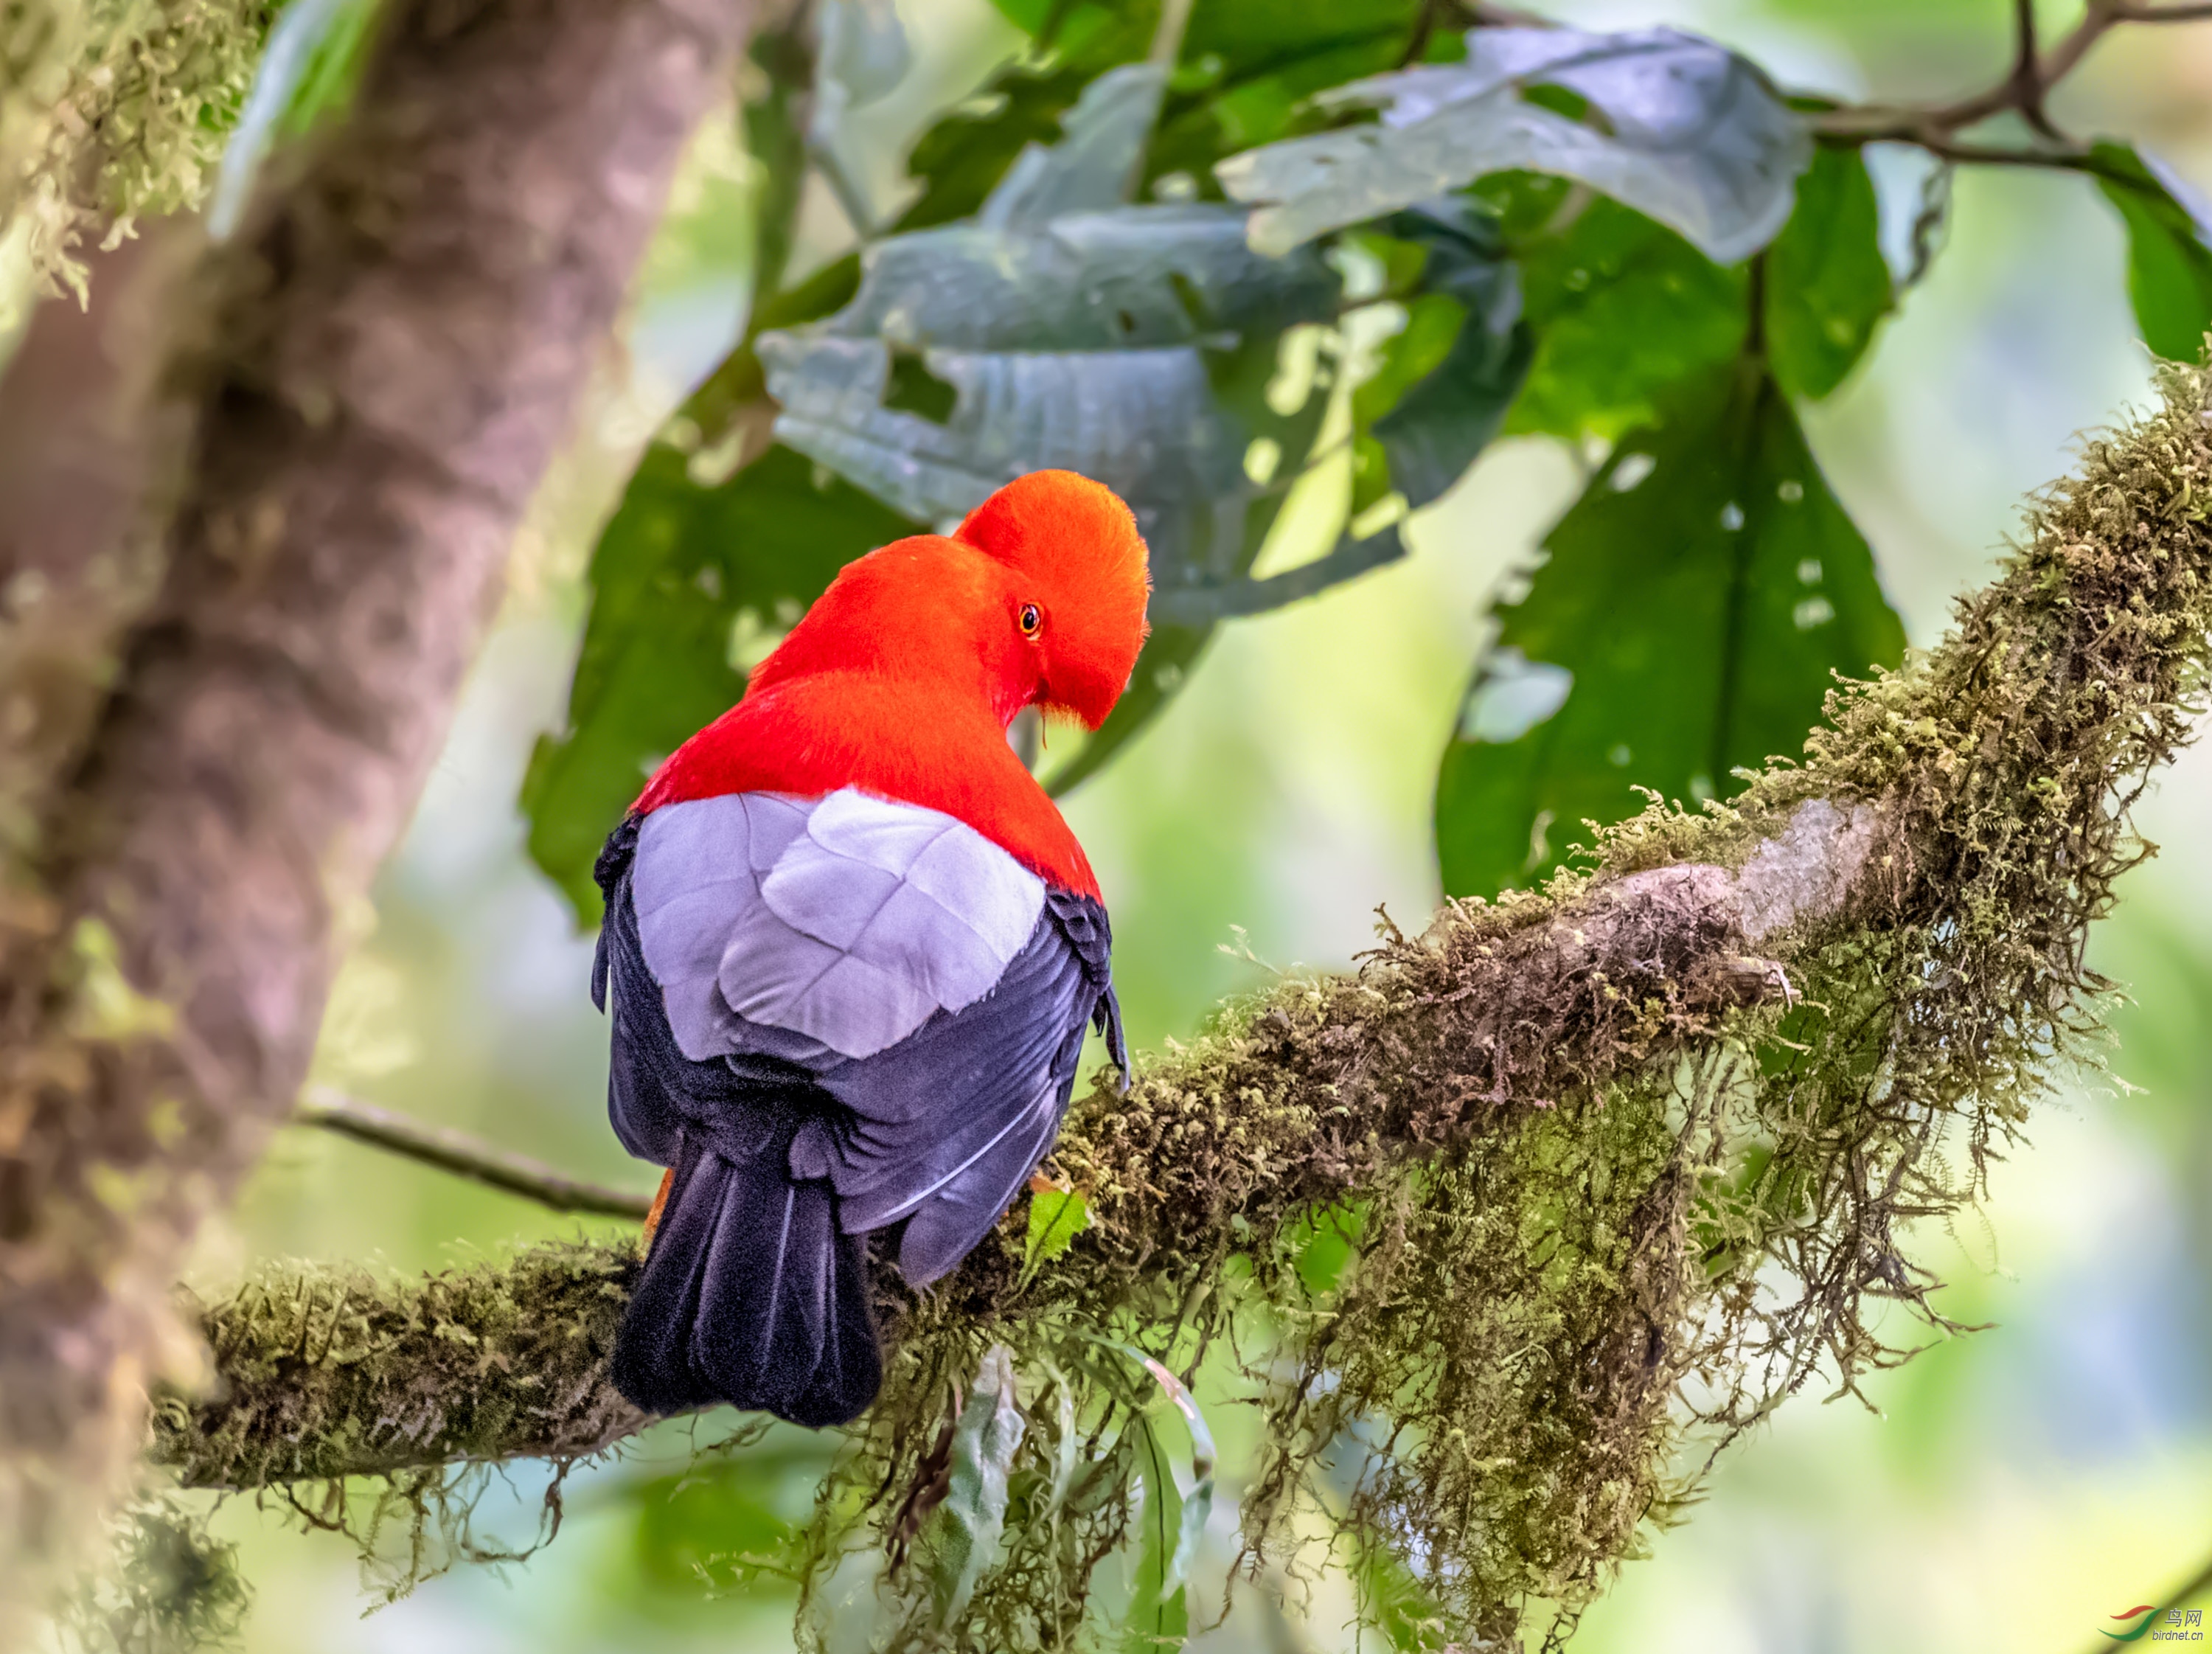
[[394, 356]]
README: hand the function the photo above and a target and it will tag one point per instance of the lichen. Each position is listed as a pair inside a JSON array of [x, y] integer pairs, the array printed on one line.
[[111, 109], [1599, 1207]]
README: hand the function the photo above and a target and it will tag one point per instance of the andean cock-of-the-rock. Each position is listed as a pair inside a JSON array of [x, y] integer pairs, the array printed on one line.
[[852, 948]]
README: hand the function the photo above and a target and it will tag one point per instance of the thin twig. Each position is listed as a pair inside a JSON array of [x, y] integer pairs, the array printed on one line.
[[2027, 85], [2025, 88], [463, 1155]]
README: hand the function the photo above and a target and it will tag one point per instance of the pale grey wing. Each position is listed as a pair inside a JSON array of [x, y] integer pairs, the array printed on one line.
[[695, 881], [899, 913], [814, 930]]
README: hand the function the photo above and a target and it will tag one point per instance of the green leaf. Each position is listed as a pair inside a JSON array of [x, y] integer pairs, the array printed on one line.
[[2169, 250], [968, 1527], [1691, 135], [1448, 377], [1070, 331], [1198, 1504], [682, 566], [1056, 1218], [1696, 602], [1623, 309], [1157, 1618], [1826, 282]]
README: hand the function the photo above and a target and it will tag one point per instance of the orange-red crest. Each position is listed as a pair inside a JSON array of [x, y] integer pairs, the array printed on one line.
[[1078, 563]]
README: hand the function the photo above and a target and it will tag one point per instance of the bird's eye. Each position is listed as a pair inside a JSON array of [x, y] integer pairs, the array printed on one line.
[[1031, 620]]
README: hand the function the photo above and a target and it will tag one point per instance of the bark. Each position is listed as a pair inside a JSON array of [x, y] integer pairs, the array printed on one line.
[[400, 353], [87, 431]]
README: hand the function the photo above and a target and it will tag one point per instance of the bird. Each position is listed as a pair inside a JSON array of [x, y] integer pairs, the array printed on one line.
[[851, 949]]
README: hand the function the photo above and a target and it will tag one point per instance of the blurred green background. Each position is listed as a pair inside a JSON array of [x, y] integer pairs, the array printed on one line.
[[2018, 1486]]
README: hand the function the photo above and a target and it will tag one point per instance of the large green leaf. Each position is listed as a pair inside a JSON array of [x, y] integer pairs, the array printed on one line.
[[1826, 282], [2169, 251], [1690, 134], [1696, 602], [680, 569], [1072, 332], [1624, 311]]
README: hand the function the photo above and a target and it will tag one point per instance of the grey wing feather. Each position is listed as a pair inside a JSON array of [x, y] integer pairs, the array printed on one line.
[[931, 986]]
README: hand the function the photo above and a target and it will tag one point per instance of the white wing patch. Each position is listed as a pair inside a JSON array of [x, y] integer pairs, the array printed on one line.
[[848, 921]]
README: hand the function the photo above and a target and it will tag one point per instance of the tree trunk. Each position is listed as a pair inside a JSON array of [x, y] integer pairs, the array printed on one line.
[[398, 358]]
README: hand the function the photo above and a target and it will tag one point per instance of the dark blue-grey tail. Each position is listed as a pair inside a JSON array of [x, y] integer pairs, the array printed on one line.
[[750, 1295]]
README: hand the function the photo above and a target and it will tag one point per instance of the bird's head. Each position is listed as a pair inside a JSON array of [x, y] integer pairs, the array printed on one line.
[[1043, 588], [1076, 584]]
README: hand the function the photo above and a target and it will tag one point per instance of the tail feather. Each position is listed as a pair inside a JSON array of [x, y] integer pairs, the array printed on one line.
[[751, 1296]]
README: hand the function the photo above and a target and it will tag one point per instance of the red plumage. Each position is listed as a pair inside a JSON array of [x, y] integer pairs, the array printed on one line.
[[903, 678]]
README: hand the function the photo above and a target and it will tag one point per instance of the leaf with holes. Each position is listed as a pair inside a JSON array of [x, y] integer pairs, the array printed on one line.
[[1689, 134], [1695, 603], [2169, 250], [1070, 333], [1624, 311]]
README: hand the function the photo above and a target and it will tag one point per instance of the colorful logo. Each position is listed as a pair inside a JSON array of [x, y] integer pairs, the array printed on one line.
[[2146, 1616], [2149, 1617]]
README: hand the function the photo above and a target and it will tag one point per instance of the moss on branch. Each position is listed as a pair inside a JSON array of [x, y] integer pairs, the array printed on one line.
[[1624, 1163]]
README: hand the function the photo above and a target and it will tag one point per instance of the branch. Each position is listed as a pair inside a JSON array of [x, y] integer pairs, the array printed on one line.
[[1641, 1150], [1645, 965], [398, 352], [464, 1155], [2024, 90]]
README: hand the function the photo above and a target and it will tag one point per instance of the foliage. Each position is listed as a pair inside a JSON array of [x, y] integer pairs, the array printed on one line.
[[2169, 257], [1696, 600], [1488, 1275]]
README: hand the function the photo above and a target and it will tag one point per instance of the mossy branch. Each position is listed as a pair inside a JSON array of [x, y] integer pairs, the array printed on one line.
[[1624, 1161]]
